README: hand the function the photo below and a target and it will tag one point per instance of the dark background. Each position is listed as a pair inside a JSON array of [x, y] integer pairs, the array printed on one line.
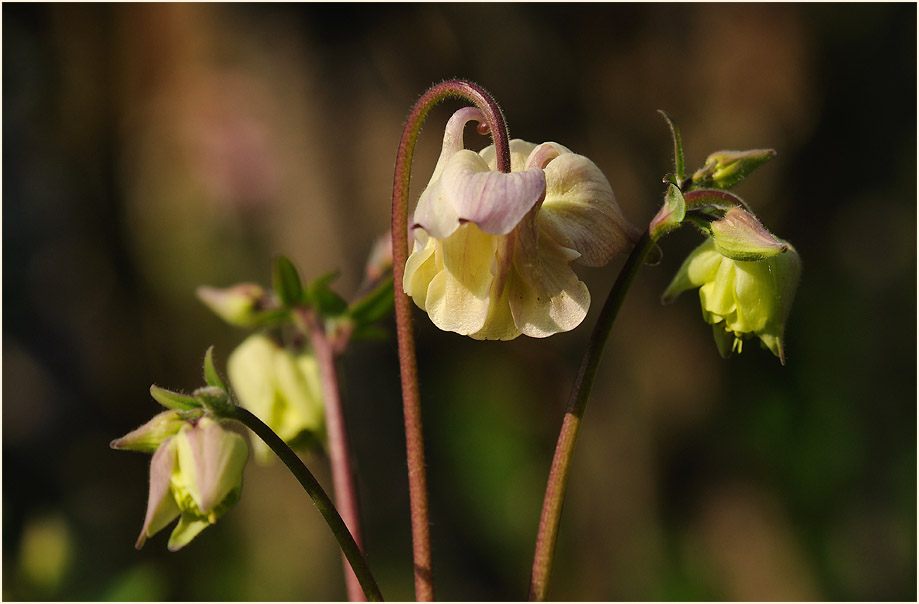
[[148, 149]]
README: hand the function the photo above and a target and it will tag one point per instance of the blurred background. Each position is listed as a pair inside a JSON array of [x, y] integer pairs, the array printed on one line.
[[149, 149]]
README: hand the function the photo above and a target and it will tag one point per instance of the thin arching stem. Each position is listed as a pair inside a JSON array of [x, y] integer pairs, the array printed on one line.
[[414, 437], [309, 483], [577, 403]]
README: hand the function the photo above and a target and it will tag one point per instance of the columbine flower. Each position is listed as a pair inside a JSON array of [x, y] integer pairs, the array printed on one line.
[[195, 473], [492, 250], [741, 297], [279, 386]]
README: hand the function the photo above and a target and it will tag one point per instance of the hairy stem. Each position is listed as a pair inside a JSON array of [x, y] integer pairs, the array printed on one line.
[[414, 437], [577, 403], [345, 540]]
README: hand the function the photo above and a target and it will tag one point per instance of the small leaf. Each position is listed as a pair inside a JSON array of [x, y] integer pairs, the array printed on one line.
[[671, 214], [286, 281], [375, 305], [321, 297], [174, 400], [679, 163], [211, 377], [367, 332]]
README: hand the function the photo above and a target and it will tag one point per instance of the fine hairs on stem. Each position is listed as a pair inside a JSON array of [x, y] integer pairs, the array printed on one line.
[[414, 437]]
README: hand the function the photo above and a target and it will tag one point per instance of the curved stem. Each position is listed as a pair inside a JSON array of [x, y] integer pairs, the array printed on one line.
[[339, 451], [414, 437], [348, 546], [577, 403]]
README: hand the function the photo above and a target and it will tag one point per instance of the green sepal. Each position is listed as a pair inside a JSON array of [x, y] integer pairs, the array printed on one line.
[[211, 377], [741, 236], [320, 296], [286, 281], [679, 163], [672, 213], [216, 400], [375, 305], [174, 400]]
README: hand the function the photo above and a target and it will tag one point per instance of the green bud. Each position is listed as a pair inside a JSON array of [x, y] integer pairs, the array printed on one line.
[[740, 236], [196, 476], [725, 169], [242, 305], [152, 434], [741, 298], [279, 386]]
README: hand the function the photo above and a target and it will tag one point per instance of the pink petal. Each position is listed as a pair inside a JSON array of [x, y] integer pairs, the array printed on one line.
[[494, 201]]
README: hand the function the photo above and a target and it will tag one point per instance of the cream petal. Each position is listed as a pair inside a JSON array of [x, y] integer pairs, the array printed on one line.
[[420, 269], [580, 210], [161, 505], [494, 201], [434, 211], [717, 295], [547, 297], [458, 296], [699, 267], [212, 460], [187, 529], [520, 150]]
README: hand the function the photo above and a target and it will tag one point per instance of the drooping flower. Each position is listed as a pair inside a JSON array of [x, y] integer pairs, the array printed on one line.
[[195, 473], [747, 280], [281, 387], [492, 251]]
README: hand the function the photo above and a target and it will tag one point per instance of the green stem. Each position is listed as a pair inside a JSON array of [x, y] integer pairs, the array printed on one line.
[[411, 401], [577, 403], [348, 546]]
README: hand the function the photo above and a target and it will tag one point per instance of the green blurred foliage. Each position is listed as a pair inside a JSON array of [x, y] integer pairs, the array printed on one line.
[[149, 149]]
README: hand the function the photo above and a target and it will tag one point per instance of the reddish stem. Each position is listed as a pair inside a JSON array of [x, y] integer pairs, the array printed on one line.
[[414, 436]]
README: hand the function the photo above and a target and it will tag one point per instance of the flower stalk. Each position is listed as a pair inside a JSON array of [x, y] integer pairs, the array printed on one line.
[[325, 350], [349, 546], [547, 534], [414, 437]]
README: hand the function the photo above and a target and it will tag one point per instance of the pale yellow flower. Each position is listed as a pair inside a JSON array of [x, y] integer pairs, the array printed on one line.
[[492, 251]]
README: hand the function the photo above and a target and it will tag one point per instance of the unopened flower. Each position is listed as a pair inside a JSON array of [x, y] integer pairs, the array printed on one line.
[[725, 169], [492, 250], [281, 387], [195, 476], [240, 305], [742, 298]]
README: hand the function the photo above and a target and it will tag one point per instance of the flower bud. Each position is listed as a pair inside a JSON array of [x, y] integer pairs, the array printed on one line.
[[725, 169], [195, 475], [240, 305], [279, 386]]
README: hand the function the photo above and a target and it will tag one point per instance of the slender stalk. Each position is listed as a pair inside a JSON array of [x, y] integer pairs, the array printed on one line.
[[339, 450], [347, 543], [577, 403], [411, 401]]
